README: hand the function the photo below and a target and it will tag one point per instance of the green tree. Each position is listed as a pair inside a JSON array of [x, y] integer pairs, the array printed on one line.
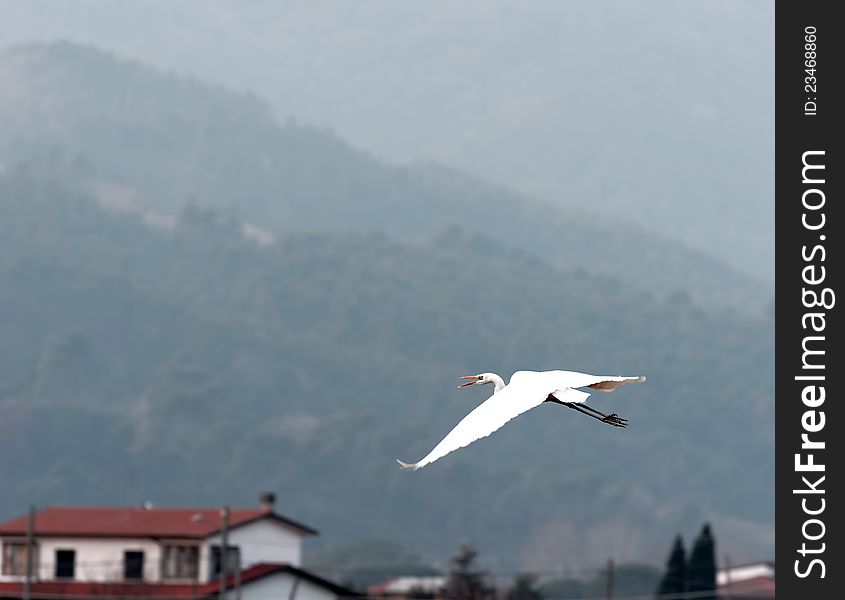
[[674, 580], [466, 581], [701, 570], [524, 588]]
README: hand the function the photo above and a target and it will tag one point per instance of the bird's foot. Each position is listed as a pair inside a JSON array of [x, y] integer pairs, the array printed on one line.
[[615, 420]]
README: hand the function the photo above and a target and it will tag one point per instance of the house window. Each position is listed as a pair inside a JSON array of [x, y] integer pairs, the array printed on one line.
[[181, 562], [133, 564], [233, 559], [14, 558], [65, 564]]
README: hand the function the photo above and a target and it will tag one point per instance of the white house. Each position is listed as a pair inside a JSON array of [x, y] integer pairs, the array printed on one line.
[[751, 581], [404, 585], [160, 552]]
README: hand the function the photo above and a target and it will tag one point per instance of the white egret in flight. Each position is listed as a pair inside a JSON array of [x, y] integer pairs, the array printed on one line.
[[526, 390]]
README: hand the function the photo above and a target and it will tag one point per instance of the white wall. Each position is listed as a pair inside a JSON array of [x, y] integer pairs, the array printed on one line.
[[265, 541], [102, 559], [744, 572], [278, 587], [97, 559]]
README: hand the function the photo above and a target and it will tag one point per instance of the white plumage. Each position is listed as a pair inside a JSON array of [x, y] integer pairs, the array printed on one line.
[[526, 390]]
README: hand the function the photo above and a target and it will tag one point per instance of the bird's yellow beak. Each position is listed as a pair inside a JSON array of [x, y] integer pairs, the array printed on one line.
[[474, 379]]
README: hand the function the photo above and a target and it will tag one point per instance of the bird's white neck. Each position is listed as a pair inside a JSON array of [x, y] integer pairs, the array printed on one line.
[[498, 382]]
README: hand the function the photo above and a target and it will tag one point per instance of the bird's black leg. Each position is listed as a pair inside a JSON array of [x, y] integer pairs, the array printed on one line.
[[603, 416], [598, 412], [611, 419]]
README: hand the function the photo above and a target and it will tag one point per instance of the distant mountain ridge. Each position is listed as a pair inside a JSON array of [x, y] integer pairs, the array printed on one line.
[[659, 113], [172, 140]]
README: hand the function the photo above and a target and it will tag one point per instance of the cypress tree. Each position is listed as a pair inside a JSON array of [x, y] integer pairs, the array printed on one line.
[[701, 571], [674, 580]]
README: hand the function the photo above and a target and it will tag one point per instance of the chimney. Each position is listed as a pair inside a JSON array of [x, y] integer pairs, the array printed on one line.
[[267, 500]]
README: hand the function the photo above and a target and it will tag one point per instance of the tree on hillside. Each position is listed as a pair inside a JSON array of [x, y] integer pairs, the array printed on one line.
[[701, 570], [674, 580], [524, 588], [466, 581]]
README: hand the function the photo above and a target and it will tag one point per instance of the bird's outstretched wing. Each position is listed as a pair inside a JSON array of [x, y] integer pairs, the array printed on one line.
[[573, 379], [487, 417], [526, 390]]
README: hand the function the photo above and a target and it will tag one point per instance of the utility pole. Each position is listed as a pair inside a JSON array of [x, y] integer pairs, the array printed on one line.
[[30, 553], [608, 592], [238, 578], [293, 588], [224, 554]]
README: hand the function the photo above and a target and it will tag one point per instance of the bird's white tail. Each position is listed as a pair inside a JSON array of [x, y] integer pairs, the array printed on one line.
[[406, 467]]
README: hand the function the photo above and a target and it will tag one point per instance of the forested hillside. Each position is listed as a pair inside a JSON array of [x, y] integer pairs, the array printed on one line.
[[183, 361], [167, 140]]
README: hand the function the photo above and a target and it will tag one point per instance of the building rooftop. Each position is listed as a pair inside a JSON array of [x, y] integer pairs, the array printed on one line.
[[143, 522]]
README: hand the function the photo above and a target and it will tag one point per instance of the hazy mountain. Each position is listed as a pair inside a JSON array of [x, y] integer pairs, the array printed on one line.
[[201, 302], [160, 141], [656, 112], [178, 362]]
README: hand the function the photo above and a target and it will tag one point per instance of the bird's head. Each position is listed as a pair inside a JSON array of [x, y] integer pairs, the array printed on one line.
[[479, 379]]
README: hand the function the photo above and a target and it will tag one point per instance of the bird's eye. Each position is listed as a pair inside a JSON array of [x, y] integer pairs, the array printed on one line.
[[480, 377]]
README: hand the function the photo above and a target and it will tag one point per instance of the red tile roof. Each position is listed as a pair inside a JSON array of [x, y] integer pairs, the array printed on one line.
[[198, 523], [79, 590]]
